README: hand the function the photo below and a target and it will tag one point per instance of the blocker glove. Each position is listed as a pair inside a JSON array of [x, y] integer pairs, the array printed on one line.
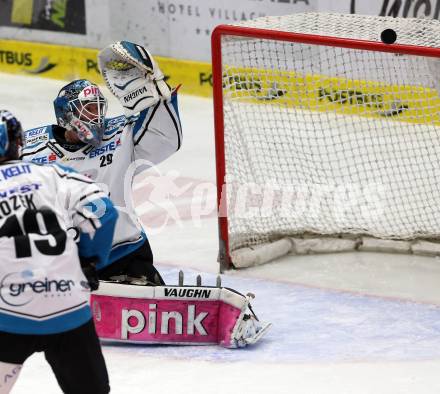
[[133, 76]]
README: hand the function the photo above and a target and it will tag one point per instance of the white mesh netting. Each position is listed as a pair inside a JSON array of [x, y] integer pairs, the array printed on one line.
[[410, 31], [329, 140]]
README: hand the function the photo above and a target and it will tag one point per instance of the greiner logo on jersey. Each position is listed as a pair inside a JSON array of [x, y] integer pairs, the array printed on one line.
[[19, 288]]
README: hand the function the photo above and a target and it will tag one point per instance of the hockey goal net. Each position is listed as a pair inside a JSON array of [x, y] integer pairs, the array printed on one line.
[[326, 137]]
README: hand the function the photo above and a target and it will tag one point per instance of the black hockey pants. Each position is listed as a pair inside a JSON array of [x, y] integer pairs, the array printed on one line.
[[75, 357]]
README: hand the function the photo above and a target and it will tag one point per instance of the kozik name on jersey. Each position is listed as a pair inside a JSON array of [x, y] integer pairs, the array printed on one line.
[[14, 203]]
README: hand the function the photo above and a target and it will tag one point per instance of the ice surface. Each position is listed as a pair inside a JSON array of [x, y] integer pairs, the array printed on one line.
[[348, 323]]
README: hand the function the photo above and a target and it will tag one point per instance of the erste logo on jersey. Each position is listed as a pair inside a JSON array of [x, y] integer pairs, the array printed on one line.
[[112, 146], [51, 158]]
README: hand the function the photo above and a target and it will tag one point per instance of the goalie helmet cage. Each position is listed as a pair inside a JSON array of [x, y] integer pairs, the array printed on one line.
[[324, 132]]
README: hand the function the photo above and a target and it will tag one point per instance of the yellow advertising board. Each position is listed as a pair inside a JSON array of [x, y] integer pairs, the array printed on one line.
[[69, 63], [406, 103]]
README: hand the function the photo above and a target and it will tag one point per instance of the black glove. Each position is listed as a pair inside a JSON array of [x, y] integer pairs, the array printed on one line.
[[88, 266]]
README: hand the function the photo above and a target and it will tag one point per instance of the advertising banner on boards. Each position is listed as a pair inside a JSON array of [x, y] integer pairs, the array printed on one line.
[[179, 29], [177, 32], [397, 8], [53, 15], [182, 28]]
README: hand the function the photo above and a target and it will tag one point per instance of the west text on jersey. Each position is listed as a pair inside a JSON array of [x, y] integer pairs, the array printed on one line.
[[20, 189]]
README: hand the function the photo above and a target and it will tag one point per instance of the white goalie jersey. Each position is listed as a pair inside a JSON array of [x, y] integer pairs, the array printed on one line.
[[42, 287], [130, 145]]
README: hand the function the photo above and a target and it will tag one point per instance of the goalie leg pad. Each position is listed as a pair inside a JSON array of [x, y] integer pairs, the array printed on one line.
[[180, 315]]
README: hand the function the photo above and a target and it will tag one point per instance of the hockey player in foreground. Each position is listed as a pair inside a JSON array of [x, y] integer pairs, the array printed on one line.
[[111, 151], [44, 295]]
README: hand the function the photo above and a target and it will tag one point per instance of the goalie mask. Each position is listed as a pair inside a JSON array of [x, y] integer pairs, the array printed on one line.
[[81, 107], [10, 135]]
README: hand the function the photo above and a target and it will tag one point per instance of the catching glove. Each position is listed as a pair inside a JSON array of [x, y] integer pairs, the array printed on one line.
[[133, 76]]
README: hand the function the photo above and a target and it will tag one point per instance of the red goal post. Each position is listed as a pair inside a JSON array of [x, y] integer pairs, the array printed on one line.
[[230, 87]]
